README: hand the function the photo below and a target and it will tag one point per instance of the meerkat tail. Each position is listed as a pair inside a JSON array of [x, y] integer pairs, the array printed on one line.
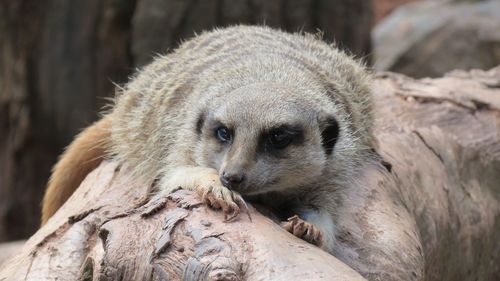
[[82, 156]]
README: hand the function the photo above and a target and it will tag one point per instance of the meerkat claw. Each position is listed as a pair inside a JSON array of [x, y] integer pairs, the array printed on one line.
[[241, 202], [229, 201], [230, 217], [303, 230]]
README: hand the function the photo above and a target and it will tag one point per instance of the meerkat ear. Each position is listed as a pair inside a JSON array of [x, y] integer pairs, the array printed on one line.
[[329, 128]]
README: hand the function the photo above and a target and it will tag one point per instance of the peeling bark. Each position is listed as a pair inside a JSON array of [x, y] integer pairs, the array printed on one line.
[[182, 239], [430, 212]]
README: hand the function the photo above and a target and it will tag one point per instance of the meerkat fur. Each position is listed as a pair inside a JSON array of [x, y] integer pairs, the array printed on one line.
[[242, 111]]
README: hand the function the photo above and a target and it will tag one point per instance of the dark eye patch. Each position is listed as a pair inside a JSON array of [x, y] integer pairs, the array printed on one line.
[[281, 137]]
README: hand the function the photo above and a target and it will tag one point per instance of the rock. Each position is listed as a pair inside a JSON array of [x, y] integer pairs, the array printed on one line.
[[430, 38]]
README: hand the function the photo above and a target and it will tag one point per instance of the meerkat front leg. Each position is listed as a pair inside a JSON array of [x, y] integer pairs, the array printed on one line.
[[206, 183]]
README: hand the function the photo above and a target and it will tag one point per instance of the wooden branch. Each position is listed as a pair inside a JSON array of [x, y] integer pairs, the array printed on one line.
[[431, 213], [8, 249], [107, 229]]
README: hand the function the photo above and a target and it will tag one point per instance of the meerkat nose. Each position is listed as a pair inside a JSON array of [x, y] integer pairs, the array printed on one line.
[[231, 180]]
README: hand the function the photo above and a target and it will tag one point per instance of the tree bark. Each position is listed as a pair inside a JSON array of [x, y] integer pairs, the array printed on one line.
[[432, 212], [59, 59], [114, 232], [8, 249]]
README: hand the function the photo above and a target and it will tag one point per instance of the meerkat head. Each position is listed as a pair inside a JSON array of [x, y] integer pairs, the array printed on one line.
[[265, 137]]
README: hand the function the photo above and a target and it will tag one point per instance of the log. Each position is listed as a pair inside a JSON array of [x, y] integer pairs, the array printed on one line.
[[9, 249], [114, 231], [430, 212]]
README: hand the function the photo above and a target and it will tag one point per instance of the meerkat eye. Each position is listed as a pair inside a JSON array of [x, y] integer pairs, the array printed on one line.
[[279, 139], [223, 134]]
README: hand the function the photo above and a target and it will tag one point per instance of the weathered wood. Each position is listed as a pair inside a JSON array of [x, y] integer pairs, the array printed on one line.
[[9, 249], [433, 212], [113, 231], [442, 139]]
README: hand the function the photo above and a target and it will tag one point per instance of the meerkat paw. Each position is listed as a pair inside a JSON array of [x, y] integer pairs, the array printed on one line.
[[220, 197], [206, 183], [304, 230]]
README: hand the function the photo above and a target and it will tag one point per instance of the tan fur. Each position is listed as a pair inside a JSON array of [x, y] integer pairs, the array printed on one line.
[[253, 80], [80, 158]]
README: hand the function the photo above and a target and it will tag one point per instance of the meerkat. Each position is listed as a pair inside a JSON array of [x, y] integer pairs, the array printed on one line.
[[241, 112]]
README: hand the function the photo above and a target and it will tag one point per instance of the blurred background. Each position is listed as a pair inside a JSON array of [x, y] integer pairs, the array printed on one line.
[[59, 61]]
